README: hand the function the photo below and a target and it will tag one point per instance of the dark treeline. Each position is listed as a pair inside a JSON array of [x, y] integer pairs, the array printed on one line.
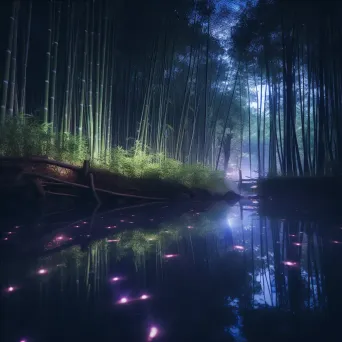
[[193, 80], [291, 49]]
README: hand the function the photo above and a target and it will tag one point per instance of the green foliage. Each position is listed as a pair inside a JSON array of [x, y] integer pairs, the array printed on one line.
[[33, 139]]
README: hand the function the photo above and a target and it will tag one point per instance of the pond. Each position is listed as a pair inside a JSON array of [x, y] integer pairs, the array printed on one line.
[[163, 273]]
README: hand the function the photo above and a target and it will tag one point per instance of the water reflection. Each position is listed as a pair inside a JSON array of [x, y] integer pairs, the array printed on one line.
[[224, 274]]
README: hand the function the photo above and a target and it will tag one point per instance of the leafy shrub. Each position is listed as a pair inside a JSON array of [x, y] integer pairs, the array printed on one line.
[[33, 139]]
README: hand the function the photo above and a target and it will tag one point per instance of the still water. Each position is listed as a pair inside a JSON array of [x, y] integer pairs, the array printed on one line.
[[161, 273]]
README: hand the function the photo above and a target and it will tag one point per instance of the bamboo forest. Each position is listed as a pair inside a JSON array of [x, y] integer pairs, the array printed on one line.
[[170, 170]]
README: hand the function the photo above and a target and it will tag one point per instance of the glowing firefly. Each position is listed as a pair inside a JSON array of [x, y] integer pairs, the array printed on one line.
[[290, 263], [292, 235], [76, 226], [144, 296], [123, 300], [169, 256], [297, 244], [190, 227], [10, 289], [153, 333], [42, 271], [336, 242], [241, 248], [113, 240]]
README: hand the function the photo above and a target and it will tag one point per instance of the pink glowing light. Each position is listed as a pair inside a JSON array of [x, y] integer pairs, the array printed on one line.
[[11, 289], [9, 233], [240, 248], [76, 226], [113, 240], [110, 227], [5, 239], [122, 220], [337, 242], [190, 227], [42, 271], [153, 333], [144, 296], [123, 300], [23, 340], [297, 244], [84, 222], [290, 263], [292, 235], [60, 238], [169, 256], [115, 279]]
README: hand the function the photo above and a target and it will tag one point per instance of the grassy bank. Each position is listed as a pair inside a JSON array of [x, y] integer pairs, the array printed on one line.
[[138, 163]]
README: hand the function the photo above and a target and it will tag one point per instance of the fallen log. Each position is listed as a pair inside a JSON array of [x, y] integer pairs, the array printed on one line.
[[49, 178]]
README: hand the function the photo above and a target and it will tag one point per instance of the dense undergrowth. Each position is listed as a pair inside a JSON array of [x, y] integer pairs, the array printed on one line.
[[33, 139]]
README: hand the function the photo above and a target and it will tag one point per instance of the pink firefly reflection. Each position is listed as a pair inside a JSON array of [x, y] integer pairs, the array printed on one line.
[[153, 333], [42, 271], [297, 244], [10, 289], [169, 256], [144, 296], [123, 300], [290, 263], [241, 248], [116, 279]]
